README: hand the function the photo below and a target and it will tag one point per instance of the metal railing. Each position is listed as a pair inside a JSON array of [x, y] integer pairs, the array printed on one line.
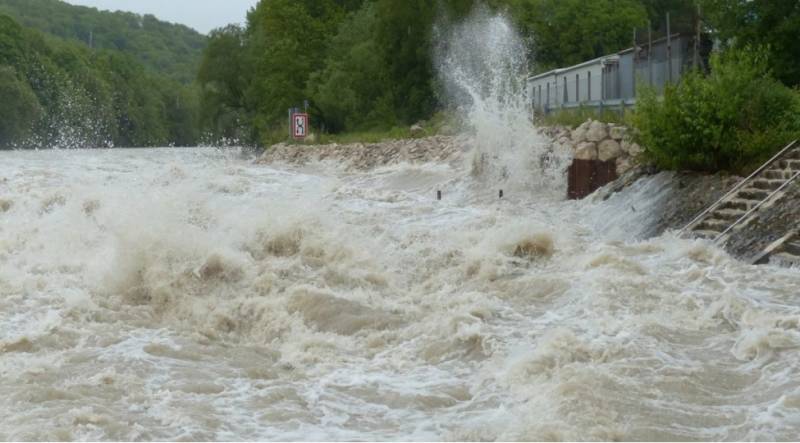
[[756, 207], [738, 187]]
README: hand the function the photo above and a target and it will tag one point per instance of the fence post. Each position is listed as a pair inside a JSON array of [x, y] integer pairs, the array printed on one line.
[[589, 84], [635, 59], [696, 61], [669, 51], [650, 52]]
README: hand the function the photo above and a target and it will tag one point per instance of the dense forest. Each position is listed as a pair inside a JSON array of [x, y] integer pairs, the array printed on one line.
[[169, 49], [60, 93], [124, 86], [75, 73]]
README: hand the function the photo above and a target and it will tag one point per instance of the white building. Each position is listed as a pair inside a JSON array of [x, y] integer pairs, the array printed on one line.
[[611, 80]]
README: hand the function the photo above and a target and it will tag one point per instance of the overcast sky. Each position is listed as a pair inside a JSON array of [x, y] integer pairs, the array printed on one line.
[[203, 15]]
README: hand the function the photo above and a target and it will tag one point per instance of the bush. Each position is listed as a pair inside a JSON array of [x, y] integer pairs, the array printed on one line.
[[731, 120]]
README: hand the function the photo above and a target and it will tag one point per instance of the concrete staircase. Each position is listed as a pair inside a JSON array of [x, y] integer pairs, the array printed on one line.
[[736, 208]]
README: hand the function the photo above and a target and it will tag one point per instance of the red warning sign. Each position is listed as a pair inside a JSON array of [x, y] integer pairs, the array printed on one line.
[[299, 126]]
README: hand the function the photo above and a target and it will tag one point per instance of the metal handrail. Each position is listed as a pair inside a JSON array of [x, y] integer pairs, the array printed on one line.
[[757, 207], [739, 186]]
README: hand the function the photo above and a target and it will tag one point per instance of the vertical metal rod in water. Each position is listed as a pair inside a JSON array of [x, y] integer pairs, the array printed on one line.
[[669, 51]]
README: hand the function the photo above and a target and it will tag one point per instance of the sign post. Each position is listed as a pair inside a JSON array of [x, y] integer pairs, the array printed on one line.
[[299, 125]]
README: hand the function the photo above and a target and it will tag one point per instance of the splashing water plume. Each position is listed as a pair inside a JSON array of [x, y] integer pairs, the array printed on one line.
[[483, 67]]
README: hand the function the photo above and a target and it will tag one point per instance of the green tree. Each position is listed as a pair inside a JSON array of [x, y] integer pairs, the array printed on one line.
[[224, 76], [770, 24], [20, 109], [567, 32], [287, 42], [353, 90]]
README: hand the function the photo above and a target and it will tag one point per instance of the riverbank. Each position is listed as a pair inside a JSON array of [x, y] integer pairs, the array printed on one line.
[[364, 156], [670, 200]]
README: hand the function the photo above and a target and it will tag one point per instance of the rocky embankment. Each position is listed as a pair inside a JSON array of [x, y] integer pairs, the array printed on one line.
[[363, 156], [595, 140]]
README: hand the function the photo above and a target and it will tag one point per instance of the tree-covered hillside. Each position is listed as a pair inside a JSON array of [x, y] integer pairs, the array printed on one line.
[[169, 49], [61, 93]]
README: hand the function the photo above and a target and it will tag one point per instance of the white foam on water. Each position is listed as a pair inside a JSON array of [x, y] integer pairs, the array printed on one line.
[[168, 294]]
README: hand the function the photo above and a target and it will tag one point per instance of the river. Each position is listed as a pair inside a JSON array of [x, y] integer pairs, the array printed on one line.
[[174, 294]]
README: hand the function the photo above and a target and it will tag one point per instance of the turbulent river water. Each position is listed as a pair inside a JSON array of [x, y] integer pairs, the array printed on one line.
[[176, 294]]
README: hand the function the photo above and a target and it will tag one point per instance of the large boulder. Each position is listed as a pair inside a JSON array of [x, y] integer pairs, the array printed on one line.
[[608, 150], [617, 132], [624, 164], [631, 148], [417, 130], [586, 151], [579, 133], [597, 132]]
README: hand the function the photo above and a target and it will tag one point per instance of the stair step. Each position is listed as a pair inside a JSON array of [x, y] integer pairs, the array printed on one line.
[[729, 215], [789, 164], [785, 259], [766, 184], [713, 224], [706, 234], [793, 154], [777, 174], [792, 247], [750, 193], [739, 203]]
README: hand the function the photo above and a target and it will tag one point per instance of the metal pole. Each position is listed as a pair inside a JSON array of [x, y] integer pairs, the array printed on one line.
[[589, 85], [603, 72], [650, 52], [635, 59], [696, 60], [669, 51], [547, 106]]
